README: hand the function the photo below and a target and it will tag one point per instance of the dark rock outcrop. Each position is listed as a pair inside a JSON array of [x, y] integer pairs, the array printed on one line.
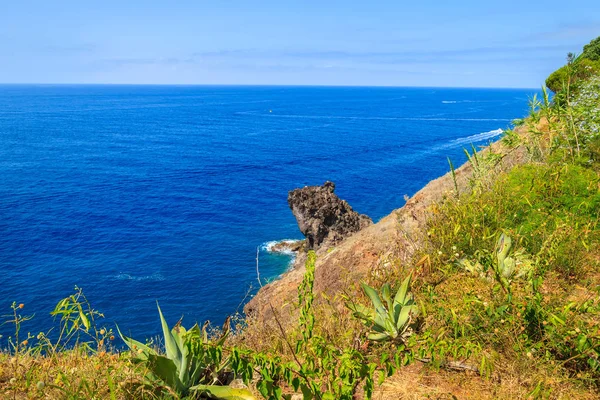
[[323, 217], [286, 246]]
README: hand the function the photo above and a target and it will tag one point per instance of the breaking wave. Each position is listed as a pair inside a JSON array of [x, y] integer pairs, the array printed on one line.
[[269, 246], [470, 139], [479, 137]]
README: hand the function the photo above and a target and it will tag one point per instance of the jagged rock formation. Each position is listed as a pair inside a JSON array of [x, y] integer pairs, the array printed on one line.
[[323, 217]]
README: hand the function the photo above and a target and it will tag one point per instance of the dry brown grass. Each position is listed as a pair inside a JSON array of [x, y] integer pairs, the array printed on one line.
[[71, 375], [421, 382]]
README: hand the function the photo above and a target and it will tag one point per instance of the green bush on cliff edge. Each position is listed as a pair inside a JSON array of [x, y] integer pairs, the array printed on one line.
[[591, 51], [581, 70], [577, 68]]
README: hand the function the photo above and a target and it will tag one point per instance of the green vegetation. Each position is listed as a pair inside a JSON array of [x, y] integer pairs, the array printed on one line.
[[591, 50], [527, 239], [393, 322], [501, 295], [580, 69], [315, 365], [79, 361], [506, 265], [577, 69], [192, 363]]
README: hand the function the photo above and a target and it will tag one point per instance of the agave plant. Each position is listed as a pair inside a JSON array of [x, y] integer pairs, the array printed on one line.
[[515, 265], [508, 265], [391, 318], [191, 363]]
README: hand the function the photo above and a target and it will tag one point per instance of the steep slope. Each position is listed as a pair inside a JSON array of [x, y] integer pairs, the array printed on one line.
[[395, 237]]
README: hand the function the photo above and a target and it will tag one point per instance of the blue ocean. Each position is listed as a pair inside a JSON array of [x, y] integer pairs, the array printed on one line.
[[140, 194]]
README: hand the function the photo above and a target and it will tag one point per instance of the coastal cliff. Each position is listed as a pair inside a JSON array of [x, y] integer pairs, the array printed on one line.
[[484, 285], [373, 247], [470, 319]]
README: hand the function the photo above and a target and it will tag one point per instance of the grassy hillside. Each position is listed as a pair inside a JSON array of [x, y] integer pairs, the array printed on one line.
[[499, 298]]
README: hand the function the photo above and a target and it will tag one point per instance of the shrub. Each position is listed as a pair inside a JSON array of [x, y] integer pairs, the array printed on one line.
[[192, 364], [319, 369], [572, 74], [592, 50], [392, 320], [557, 79]]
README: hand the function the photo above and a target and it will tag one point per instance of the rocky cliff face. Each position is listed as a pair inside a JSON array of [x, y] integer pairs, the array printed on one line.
[[323, 217]]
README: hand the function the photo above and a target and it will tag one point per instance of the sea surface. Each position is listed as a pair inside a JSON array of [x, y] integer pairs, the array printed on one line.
[[141, 194]]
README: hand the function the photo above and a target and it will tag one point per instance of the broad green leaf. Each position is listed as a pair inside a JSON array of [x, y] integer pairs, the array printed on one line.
[[504, 244], [401, 295], [179, 336], [263, 388], [165, 369], [381, 316], [382, 376], [278, 392], [296, 383], [378, 336], [306, 392], [403, 318], [386, 295], [84, 319], [134, 345], [173, 351], [184, 367], [508, 267], [372, 293], [223, 392], [378, 328], [390, 328]]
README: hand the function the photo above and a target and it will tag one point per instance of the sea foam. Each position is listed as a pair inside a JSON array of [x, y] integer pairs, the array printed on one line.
[[478, 137], [270, 245], [129, 277], [468, 140]]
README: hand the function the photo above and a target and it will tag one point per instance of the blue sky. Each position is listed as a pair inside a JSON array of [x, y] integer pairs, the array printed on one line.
[[392, 43]]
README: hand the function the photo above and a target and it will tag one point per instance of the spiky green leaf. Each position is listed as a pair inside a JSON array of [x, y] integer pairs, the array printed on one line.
[[508, 267], [223, 392], [378, 337], [174, 352], [404, 318], [504, 244], [164, 368], [403, 292], [134, 345], [373, 295], [386, 295]]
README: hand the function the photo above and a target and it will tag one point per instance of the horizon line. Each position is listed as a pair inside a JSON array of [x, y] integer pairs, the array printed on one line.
[[260, 85]]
